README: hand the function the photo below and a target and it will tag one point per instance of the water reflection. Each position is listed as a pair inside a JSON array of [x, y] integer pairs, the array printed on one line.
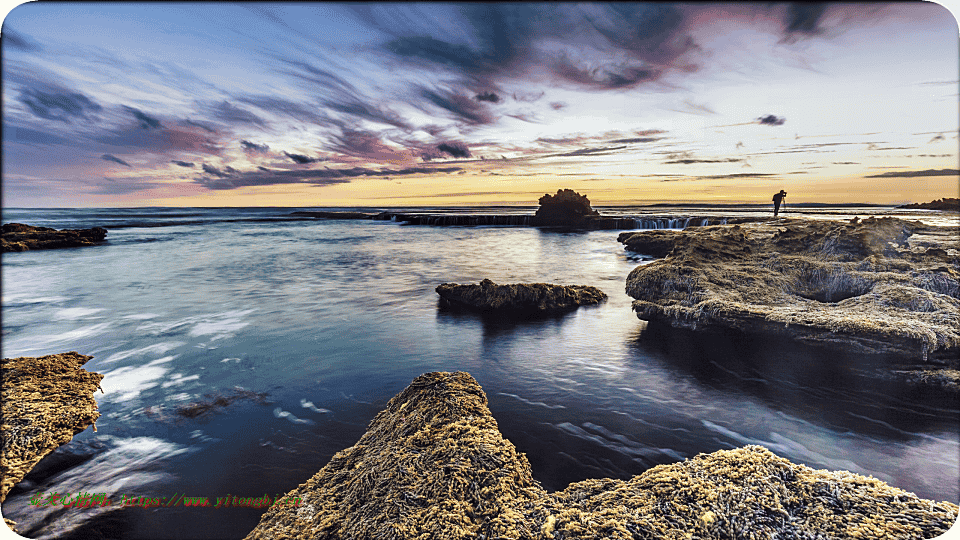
[[823, 386]]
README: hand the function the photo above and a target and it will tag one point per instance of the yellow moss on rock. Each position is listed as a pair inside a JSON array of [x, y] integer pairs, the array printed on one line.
[[861, 285], [44, 402], [434, 465]]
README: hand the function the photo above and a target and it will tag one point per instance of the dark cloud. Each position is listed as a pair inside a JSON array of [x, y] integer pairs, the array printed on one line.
[[462, 107], [300, 158], [740, 144], [264, 169], [938, 137], [235, 115], [210, 169], [771, 120], [636, 140], [455, 148], [591, 151], [182, 163], [160, 140], [206, 127], [608, 77], [366, 145], [803, 18], [253, 147], [845, 163], [146, 122], [311, 176], [557, 105], [488, 96], [19, 41], [736, 175], [54, 103], [690, 161], [24, 135], [354, 107], [915, 174], [115, 159]]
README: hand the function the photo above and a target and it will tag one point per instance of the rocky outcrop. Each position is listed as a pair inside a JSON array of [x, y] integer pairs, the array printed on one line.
[[523, 297], [567, 208], [653, 243], [20, 237], [433, 464], [946, 203], [45, 402], [877, 285]]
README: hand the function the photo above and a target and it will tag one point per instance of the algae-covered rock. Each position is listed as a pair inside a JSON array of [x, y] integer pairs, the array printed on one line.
[[542, 297], [20, 237], [876, 285], [45, 402], [433, 464]]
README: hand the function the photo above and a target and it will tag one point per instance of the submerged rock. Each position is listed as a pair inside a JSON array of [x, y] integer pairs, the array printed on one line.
[[433, 464], [20, 237], [566, 208], [875, 285], [488, 296], [45, 402]]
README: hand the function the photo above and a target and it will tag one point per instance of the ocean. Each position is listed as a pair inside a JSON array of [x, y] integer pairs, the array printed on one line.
[[305, 328]]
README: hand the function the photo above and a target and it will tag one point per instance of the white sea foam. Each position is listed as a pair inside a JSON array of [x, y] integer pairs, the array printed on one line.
[[280, 413], [126, 383], [156, 348], [128, 466], [309, 405], [76, 334], [178, 378], [141, 316], [221, 325]]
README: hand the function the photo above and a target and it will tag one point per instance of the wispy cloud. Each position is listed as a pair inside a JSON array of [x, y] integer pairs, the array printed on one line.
[[263, 177], [54, 103], [146, 121], [915, 174], [115, 159], [252, 147]]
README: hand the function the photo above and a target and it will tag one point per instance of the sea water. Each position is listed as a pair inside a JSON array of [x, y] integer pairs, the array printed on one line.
[[306, 328]]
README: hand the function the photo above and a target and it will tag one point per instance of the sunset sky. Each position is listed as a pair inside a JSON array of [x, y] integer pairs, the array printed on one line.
[[377, 105]]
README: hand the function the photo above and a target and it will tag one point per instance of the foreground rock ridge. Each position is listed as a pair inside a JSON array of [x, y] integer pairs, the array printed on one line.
[[871, 286], [433, 464], [20, 237], [545, 297], [44, 402]]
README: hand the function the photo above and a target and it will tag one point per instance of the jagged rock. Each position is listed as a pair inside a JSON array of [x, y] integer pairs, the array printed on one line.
[[488, 296], [45, 402], [946, 203], [877, 285], [20, 237], [433, 464], [566, 208], [653, 243]]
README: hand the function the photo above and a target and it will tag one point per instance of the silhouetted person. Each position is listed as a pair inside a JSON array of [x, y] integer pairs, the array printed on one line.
[[777, 199]]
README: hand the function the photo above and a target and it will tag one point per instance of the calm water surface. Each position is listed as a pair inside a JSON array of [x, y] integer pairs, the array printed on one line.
[[330, 319]]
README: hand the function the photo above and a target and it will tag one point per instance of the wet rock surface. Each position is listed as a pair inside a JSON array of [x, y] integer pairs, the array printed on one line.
[[20, 237], [875, 285], [520, 297], [433, 464], [45, 402]]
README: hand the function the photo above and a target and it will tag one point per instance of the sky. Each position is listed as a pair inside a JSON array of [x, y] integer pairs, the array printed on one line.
[[379, 105]]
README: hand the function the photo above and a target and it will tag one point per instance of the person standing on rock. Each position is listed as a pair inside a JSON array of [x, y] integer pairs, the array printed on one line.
[[777, 199]]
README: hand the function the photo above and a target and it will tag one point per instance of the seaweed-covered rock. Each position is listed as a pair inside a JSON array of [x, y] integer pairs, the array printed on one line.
[[45, 402], [543, 297], [875, 285], [655, 243], [20, 237], [566, 208], [433, 464]]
